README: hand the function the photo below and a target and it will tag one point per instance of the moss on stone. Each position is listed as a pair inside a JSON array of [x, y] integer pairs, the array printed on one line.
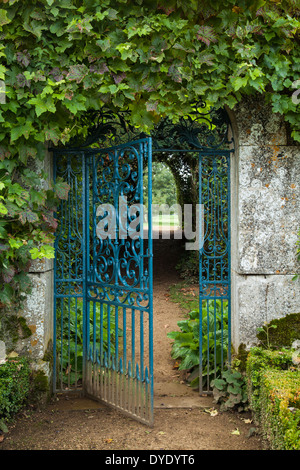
[[13, 328], [48, 355], [286, 332], [40, 382], [40, 388], [26, 331], [242, 355]]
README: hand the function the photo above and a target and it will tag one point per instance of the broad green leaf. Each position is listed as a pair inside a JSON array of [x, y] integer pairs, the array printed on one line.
[[239, 82], [43, 105], [4, 18], [21, 130]]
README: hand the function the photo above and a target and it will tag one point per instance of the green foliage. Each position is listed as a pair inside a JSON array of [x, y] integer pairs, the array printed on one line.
[[70, 345], [230, 390], [265, 330], [60, 58], [259, 360], [280, 408], [273, 390], [185, 347], [14, 386], [26, 226], [163, 186], [188, 266]]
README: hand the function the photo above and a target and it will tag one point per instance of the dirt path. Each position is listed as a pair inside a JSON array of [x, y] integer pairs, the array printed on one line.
[[182, 419]]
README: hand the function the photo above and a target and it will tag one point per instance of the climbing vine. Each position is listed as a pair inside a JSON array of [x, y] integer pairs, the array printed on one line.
[[60, 58]]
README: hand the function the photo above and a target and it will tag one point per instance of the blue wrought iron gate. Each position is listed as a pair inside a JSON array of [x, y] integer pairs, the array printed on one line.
[[214, 266], [103, 281], [103, 277]]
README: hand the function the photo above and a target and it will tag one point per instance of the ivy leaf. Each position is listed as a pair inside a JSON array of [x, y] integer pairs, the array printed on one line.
[[239, 82], [3, 18], [77, 72], [43, 106], [23, 281], [21, 130], [28, 216], [37, 197], [8, 274], [52, 134], [25, 152], [61, 190], [4, 153], [206, 34], [77, 104], [3, 209], [7, 294], [50, 220], [44, 252]]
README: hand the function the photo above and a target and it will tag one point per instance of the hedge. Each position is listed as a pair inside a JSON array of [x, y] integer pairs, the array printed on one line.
[[14, 386], [273, 385]]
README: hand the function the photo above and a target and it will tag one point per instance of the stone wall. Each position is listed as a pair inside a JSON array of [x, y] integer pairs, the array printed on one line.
[[37, 310], [265, 220]]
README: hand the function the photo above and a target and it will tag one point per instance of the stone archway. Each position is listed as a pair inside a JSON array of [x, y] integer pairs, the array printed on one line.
[[265, 220]]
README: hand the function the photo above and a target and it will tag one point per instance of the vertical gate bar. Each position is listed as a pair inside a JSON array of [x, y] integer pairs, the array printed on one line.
[[85, 238], [116, 337], [208, 348], [132, 381], [112, 375], [150, 252], [201, 244], [215, 222], [200, 345], [137, 391], [76, 331], [94, 332], [124, 341], [229, 254], [101, 350], [141, 201], [108, 357], [139, 372], [215, 337], [133, 340], [55, 298], [68, 210], [142, 344]]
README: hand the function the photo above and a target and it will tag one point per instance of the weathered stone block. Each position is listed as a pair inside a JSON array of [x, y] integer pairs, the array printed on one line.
[[38, 312], [257, 124], [269, 209], [41, 265], [2, 352], [260, 299]]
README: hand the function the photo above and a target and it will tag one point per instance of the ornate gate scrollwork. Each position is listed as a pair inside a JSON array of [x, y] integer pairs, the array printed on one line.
[[202, 129], [103, 328]]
